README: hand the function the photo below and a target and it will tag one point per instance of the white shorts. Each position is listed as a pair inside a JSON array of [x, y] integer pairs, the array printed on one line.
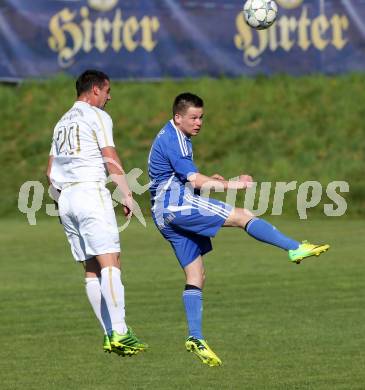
[[88, 217]]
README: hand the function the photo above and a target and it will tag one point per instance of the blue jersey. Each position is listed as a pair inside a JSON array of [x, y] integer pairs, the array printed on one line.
[[170, 163], [186, 220]]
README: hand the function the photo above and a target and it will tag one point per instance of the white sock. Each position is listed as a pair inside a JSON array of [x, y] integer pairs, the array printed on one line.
[[112, 290], [97, 302]]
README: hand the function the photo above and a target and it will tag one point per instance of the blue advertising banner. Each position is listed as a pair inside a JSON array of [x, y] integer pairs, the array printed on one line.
[[151, 39]]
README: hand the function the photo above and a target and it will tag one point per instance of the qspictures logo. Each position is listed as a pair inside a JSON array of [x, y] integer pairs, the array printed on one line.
[[100, 26], [292, 30]]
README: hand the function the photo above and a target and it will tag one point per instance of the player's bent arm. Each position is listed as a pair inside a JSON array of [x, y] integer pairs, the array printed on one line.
[[117, 174], [200, 181]]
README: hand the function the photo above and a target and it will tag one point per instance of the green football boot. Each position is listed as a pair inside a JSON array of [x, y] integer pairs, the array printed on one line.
[[106, 344], [202, 350], [126, 344], [306, 250]]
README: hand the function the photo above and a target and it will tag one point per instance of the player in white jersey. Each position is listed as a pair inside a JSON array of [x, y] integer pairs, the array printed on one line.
[[82, 155]]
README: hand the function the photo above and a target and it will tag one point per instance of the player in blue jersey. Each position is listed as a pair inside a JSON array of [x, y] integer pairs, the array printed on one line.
[[188, 221]]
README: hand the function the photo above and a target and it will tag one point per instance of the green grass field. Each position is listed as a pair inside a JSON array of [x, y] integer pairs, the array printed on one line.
[[275, 325]]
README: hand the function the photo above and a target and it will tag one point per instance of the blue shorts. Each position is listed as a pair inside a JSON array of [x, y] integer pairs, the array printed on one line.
[[188, 228]]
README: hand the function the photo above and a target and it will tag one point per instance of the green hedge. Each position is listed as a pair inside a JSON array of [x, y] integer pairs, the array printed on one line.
[[277, 129]]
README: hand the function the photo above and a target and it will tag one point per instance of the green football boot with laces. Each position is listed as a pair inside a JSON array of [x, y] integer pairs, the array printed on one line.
[[126, 344], [202, 350], [306, 250]]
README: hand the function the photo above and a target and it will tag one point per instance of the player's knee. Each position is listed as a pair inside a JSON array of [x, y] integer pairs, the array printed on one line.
[[240, 217], [196, 280], [248, 214], [200, 279], [245, 217], [91, 267]]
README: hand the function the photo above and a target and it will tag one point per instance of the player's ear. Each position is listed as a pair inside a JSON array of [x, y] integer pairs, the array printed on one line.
[[96, 90]]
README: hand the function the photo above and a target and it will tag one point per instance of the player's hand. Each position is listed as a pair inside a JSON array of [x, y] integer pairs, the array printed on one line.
[[247, 180], [127, 212], [128, 205], [216, 176]]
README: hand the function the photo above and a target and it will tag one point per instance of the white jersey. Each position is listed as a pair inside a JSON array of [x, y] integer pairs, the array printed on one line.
[[78, 138]]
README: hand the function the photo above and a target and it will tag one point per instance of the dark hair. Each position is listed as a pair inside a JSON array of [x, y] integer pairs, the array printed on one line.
[[88, 79], [185, 100]]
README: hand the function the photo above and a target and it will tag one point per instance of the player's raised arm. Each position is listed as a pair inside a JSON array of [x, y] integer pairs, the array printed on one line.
[[117, 175]]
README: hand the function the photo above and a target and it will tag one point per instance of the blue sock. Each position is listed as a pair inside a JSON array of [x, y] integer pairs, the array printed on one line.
[[264, 231], [193, 302]]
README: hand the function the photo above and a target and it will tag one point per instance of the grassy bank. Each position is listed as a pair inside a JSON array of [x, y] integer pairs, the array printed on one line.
[[277, 129]]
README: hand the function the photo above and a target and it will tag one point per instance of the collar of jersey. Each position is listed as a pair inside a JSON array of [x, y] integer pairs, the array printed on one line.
[[82, 102], [173, 125]]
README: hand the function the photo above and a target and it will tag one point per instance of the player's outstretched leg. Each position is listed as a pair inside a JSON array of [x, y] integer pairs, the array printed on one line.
[[265, 232], [193, 303]]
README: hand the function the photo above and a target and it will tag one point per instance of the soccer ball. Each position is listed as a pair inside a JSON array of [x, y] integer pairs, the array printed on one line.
[[260, 14]]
